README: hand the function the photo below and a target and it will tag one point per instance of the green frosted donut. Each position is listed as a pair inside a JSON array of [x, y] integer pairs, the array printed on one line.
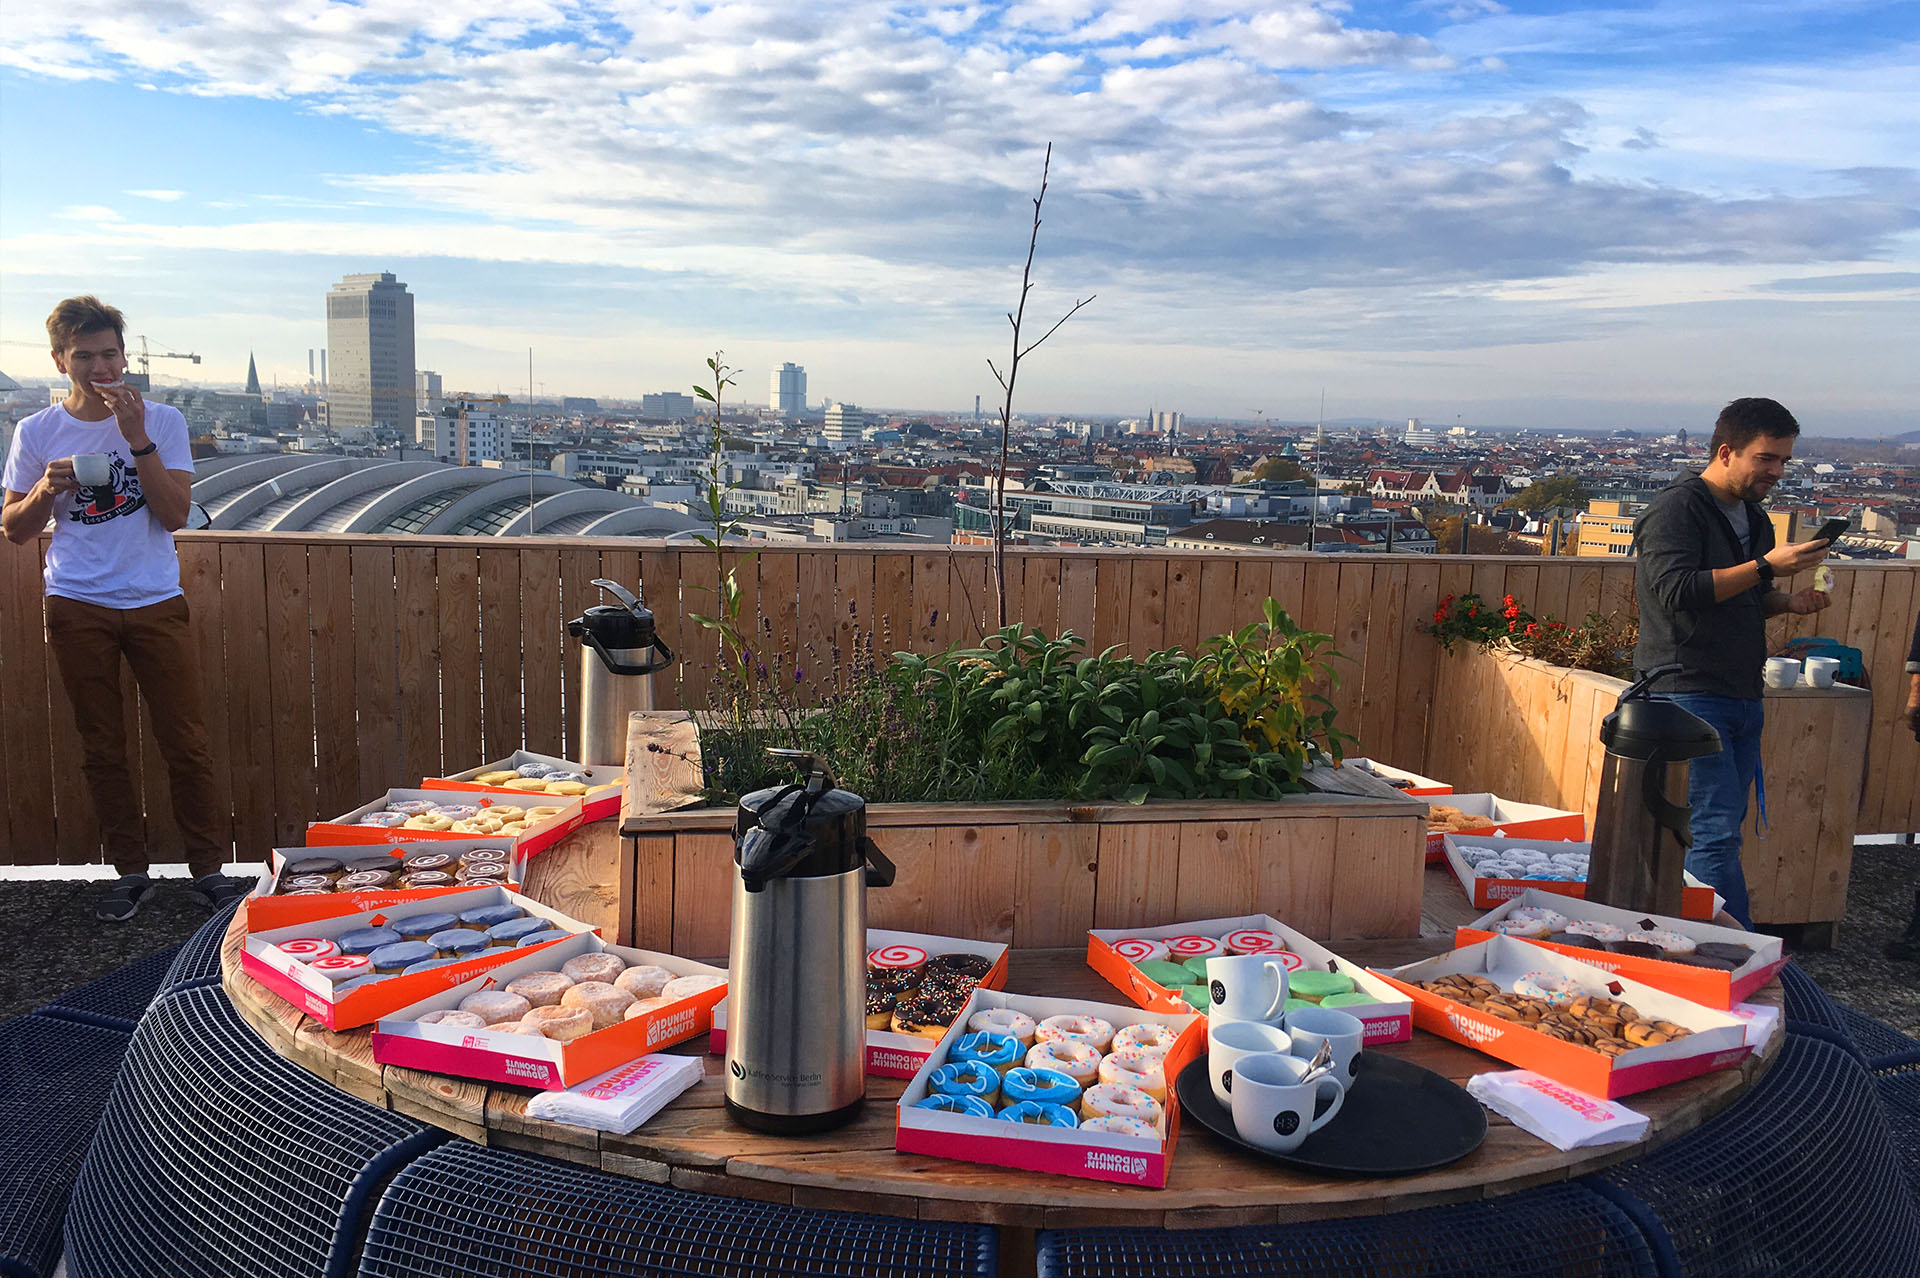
[[1314, 986], [1355, 999], [1161, 972], [1196, 996]]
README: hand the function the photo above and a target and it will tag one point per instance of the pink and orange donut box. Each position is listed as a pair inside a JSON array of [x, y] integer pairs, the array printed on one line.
[[346, 828], [604, 784]]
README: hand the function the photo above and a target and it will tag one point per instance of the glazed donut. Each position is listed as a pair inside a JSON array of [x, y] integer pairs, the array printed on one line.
[[1152, 1038], [1044, 1115], [972, 1106], [308, 948], [541, 989], [534, 784], [1186, 947], [1089, 1030], [1004, 1020], [1001, 1051], [474, 827], [967, 1078], [1596, 929], [1554, 920], [593, 967], [545, 811], [608, 1004], [1048, 1086], [496, 1005], [1140, 949], [495, 777], [1532, 929], [1253, 941], [1556, 989], [455, 1019], [1138, 1071], [1671, 942], [644, 981], [515, 1027], [1063, 1056], [563, 1024], [513, 829], [570, 789], [1115, 1125], [642, 1006], [687, 986], [1117, 1100], [428, 821]]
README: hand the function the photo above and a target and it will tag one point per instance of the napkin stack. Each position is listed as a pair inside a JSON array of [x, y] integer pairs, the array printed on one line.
[[1564, 1117], [621, 1099]]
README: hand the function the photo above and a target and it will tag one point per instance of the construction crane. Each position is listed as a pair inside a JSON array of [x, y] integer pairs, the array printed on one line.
[[146, 359]]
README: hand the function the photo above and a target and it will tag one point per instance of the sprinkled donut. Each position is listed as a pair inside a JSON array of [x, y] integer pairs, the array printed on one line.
[[1004, 1020], [1552, 919], [1116, 1100], [1530, 928], [1064, 1056], [1140, 949], [1596, 929], [1088, 1030], [1049, 1086], [1671, 942], [1138, 1070], [1556, 989], [1152, 1038], [1114, 1125]]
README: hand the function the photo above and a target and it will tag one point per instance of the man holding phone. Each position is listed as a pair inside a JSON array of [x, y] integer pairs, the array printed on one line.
[[1708, 577], [115, 475]]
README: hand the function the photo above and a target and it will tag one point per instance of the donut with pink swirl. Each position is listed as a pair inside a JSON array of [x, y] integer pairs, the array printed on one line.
[[309, 948], [1253, 941], [1186, 947], [897, 958], [1140, 949]]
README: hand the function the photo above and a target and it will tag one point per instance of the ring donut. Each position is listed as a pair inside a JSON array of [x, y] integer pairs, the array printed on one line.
[[1004, 1020], [1002, 1051], [1152, 1038], [1556, 989], [967, 1078], [428, 821], [1063, 1056], [1114, 1125], [1090, 1030], [1042, 1114], [972, 1106], [1186, 947], [1253, 941], [1596, 929], [563, 1024], [1137, 1070], [1116, 1100], [1671, 942], [1140, 949], [1555, 921], [1048, 1086]]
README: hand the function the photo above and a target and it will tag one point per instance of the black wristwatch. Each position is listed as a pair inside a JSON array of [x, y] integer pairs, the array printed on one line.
[[152, 446], [1766, 570]]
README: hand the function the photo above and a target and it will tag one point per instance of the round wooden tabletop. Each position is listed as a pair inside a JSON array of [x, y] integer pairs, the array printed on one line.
[[692, 1143]]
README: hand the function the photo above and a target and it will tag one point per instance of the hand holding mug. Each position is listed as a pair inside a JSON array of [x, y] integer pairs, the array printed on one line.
[[90, 470]]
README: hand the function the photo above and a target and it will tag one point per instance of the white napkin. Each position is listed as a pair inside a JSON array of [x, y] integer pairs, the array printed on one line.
[[1761, 1022], [1564, 1117], [623, 1098]]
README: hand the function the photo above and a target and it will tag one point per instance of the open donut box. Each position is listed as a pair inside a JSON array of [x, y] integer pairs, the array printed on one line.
[[1718, 1040], [1417, 786], [1697, 900], [346, 830], [267, 910], [602, 798], [1508, 819], [534, 1060], [1706, 986], [313, 993], [890, 1054], [1388, 1021], [1060, 1151]]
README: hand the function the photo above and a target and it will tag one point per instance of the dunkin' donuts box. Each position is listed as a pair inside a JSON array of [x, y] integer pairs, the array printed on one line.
[[1116, 952], [1505, 818], [1708, 986], [1697, 900], [602, 798], [1062, 1151], [1408, 783], [533, 1060], [1716, 1041], [269, 958], [891, 1054], [539, 836], [267, 908]]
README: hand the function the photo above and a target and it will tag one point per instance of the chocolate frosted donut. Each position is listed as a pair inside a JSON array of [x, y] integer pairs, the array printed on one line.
[[294, 883], [483, 875], [1637, 949], [365, 881], [1727, 951], [314, 865], [427, 879], [973, 965], [427, 861], [479, 856], [1573, 940]]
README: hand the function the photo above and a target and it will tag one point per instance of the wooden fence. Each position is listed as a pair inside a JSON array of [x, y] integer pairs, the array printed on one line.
[[338, 666]]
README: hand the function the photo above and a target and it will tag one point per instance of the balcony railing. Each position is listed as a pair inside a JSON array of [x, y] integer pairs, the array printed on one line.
[[336, 667]]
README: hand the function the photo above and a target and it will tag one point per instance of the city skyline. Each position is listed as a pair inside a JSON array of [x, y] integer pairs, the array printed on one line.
[[1521, 215]]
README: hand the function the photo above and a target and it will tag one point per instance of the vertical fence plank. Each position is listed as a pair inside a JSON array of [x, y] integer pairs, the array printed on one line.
[[854, 628], [779, 587], [544, 651], [1357, 577], [972, 595], [1139, 875], [1217, 864], [1218, 595], [243, 584], [1053, 898], [26, 670], [893, 606], [815, 622], [1147, 626], [1183, 604], [578, 567], [1112, 607], [164, 843], [502, 618], [931, 608], [1287, 586], [1252, 587], [1414, 690], [1079, 578], [1380, 686], [376, 654], [335, 679], [659, 567], [458, 605], [200, 583], [417, 665], [1040, 591], [290, 684], [1886, 809]]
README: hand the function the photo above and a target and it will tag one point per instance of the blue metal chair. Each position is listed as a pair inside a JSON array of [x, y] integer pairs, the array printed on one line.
[[1799, 1177], [1806, 1002], [198, 962], [462, 1210], [219, 1159], [1900, 1102], [118, 999], [55, 1076], [1883, 1046], [1560, 1228]]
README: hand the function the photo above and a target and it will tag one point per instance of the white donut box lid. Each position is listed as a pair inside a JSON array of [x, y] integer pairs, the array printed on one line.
[[265, 910], [527, 1060], [1718, 1040], [1423, 787], [1062, 1151], [313, 993], [1705, 986], [604, 783], [1388, 1021], [1697, 900], [346, 829], [892, 1055], [1510, 818]]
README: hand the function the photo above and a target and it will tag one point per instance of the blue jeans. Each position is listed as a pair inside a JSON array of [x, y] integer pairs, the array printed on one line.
[[1717, 786]]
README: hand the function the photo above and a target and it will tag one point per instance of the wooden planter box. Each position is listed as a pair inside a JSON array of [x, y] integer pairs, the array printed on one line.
[[1336, 866], [1530, 731]]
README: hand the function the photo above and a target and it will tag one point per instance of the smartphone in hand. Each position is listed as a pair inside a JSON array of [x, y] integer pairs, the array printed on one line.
[[1831, 530]]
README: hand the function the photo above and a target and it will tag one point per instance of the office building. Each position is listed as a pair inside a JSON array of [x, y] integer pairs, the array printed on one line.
[[788, 393], [370, 336], [845, 425], [668, 406]]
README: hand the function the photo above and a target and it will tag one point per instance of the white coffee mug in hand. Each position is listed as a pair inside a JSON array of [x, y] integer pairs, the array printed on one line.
[[1308, 1027], [1273, 1109], [1246, 987], [92, 470], [1228, 1041]]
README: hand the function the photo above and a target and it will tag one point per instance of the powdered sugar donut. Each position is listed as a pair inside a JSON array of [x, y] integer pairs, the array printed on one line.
[[1004, 1020], [515, 1027], [454, 1019], [1152, 1039], [496, 1005], [593, 967], [1186, 947], [1596, 929], [541, 989], [1090, 1030], [1141, 949], [642, 1006], [1671, 942], [687, 986], [1253, 941], [1136, 1069], [608, 1004], [1064, 1056], [643, 981], [563, 1024], [1113, 1100], [1556, 989], [1115, 1125]]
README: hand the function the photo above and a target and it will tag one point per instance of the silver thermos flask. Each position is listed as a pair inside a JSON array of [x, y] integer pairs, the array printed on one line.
[[619, 655], [797, 975], [1642, 826]]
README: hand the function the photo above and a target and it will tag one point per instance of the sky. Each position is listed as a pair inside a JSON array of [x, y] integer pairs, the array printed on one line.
[[1460, 210]]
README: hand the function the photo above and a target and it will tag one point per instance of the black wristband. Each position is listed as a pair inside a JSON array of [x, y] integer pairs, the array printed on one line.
[[152, 446], [1766, 570]]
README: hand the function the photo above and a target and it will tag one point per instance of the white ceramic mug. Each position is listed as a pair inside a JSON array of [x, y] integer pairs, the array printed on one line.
[[1228, 1042], [1781, 672], [92, 470], [1308, 1027], [1246, 987], [1819, 671], [1273, 1109]]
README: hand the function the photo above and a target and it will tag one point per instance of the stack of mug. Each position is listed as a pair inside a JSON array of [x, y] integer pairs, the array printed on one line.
[[1259, 1055]]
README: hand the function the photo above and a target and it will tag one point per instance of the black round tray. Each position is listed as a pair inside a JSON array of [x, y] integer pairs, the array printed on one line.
[[1399, 1119]]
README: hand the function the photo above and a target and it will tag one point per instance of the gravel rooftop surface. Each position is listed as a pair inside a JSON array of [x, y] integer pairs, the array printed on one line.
[[55, 943]]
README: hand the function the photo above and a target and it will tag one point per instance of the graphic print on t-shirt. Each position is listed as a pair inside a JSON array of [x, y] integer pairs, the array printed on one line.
[[120, 495]]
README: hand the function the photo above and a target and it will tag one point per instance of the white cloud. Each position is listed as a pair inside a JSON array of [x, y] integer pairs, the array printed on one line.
[[152, 193]]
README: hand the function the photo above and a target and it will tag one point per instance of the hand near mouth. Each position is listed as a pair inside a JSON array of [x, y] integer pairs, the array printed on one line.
[[129, 410]]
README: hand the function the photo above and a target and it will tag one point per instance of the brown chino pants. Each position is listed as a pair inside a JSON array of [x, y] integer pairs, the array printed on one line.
[[88, 642]]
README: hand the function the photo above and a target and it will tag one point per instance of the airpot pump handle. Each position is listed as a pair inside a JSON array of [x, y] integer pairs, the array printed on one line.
[[1658, 672], [628, 601], [819, 775]]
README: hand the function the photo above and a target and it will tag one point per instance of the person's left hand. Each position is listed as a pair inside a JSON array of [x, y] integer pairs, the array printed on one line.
[[129, 412], [1806, 602]]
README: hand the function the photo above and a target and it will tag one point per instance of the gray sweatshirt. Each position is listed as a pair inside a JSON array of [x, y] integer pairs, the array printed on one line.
[[1680, 538]]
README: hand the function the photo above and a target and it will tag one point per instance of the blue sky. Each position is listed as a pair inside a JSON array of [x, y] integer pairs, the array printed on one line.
[[1506, 213]]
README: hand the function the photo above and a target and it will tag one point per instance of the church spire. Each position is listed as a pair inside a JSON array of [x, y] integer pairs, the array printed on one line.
[[253, 376]]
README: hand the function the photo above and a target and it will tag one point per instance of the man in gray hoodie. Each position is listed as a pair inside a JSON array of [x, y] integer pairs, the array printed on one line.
[[1708, 577]]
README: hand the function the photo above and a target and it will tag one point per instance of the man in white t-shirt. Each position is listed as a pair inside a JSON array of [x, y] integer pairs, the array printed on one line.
[[115, 475]]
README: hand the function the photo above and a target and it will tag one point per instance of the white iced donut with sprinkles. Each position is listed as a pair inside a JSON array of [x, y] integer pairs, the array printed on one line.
[[1115, 1125], [1671, 942], [1116, 1100], [1136, 1069], [1004, 1020], [1141, 949], [1090, 1030], [1076, 1060], [1597, 930], [1186, 947], [1253, 941], [1152, 1039], [1556, 989], [1553, 919]]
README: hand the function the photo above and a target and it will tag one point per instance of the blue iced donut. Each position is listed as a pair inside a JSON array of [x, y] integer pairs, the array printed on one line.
[[458, 942], [365, 940], [1036, 1112], [395, 959], [541, 938], [418, 927], [967, 1078], [970, 1105], [513, 930], [427, 965], [998, 1050], [1047, 1086], [486, 916]]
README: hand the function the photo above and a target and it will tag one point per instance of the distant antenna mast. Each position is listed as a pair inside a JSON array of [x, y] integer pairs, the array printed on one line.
[[1319, 443], [529, 441]]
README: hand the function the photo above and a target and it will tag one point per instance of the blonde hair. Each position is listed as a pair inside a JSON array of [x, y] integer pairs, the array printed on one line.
[[84, 314]]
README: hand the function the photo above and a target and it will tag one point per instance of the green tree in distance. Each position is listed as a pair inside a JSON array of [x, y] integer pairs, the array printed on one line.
[[1545, 494], [1280, 470]]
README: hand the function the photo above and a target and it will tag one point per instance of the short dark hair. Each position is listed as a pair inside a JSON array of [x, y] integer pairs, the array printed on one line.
[[83, 314], [1744, 420]]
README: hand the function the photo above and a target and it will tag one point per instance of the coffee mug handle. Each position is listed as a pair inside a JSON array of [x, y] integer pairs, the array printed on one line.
[[1339, 1099], [1279, 992]]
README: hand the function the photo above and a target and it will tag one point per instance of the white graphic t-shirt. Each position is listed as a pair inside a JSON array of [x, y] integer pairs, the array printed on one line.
[[107, 548]]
